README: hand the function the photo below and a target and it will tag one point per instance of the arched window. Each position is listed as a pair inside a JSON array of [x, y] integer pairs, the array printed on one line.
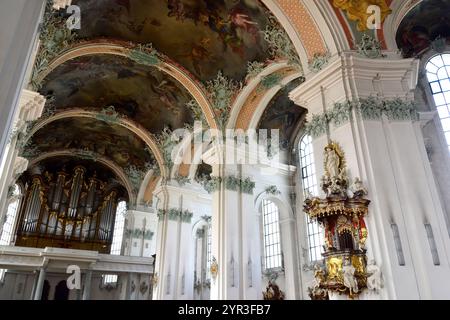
[[271, 233], [202, 258], [438, 74], [7, 234], [116, 245], [309, 184]]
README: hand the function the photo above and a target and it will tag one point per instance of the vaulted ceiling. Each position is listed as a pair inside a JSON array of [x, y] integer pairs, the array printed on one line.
[[200, 38], [114, 106], [426, 22], [203, 36], [143, 93]]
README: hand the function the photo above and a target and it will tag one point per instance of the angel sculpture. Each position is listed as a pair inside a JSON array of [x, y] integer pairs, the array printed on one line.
[[349, 279], [358, 189], [374, 276]]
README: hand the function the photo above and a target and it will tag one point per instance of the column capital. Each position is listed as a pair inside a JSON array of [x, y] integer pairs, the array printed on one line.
[[351, 76], [31, 105], [20, 165]]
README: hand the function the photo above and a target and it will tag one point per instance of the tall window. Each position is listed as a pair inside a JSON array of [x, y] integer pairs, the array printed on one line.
[[438, 73], [7, 234], [271, 228], [309, 184], [116, 245]]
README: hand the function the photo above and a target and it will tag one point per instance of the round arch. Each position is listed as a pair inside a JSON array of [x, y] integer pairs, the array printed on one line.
[[120, 48], [127, 123], [399, 11], [101, 159]]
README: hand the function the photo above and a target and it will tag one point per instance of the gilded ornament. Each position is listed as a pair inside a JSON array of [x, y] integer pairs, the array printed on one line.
[[214, 269], [334, 268], [358, 10]]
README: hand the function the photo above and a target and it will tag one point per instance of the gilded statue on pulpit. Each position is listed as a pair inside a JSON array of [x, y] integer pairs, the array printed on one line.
[[341, 214]]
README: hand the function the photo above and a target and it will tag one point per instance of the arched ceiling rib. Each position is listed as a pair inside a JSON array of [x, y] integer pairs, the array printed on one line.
[[143, 93], [51, 164], [126, 128], [103, 47], [88, 134], [203, 36], [196, 39], [422, 25], [83, 157]]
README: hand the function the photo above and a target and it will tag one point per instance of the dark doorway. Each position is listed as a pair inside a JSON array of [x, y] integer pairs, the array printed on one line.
[[45, 290], [61, 291]]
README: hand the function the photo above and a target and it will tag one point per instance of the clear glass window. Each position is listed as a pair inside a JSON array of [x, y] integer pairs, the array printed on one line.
[[309, 184]]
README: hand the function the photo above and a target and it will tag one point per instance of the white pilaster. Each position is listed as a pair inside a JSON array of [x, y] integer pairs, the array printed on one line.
[[389, 155], [175, 239], [21, 18], [235, 232], [140, 233], [31, 105]]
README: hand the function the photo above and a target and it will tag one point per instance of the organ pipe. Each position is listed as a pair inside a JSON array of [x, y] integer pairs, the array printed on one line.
[[69, 212]]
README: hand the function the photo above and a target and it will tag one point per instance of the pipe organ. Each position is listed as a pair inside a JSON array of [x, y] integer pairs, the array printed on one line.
[[68, 210]]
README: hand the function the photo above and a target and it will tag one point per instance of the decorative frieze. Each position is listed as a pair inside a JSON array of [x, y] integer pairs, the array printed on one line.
[[139, 233], [54, 38], [371, 108], [280, 45], [317, 126], [318, 61], [221, 91], [167, 141], [108, 115], [175, 215], [197, 112], [135, 176], [340, 114], [272, 190], [212, 184], [253, 69], [145, 55], [399, 109], [370, 47], [270, 81], [182, 180]]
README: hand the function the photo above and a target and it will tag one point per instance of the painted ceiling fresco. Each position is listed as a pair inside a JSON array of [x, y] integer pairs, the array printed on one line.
[[204, 36], [423, 24], [142, 93], [283, 114], [112, 141]]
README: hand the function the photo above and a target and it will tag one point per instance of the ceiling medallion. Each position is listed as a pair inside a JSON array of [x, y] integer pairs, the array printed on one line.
[[341, 213]]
